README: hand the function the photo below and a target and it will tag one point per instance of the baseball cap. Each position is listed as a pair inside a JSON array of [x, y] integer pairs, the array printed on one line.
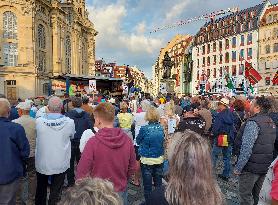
[[225, 101]]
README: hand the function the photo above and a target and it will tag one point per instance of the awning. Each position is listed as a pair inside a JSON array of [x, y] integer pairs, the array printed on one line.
[[84, 77]]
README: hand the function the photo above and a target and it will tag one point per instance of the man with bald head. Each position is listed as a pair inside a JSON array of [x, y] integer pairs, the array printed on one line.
[[53, 151], [14, 151]]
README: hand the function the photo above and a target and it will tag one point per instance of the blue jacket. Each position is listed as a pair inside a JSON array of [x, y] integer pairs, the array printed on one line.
[[151, 140], [224, 123], [14, 150], [13, 113], [82, 121]]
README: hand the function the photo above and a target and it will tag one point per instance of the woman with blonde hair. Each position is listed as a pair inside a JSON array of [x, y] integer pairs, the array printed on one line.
[[90, 191], [191, 179], [125, 119], [170, 122], [151, 150]]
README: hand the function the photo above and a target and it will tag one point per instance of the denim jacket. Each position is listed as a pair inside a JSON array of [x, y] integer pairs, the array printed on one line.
[[151, 140]]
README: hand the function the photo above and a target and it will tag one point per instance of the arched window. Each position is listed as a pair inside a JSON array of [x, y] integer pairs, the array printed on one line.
[[10, 54], [41, 39], [269, 19], [275, 18], [68, 54], [41, 36], [267, 49], [83, 57], [9, 25]]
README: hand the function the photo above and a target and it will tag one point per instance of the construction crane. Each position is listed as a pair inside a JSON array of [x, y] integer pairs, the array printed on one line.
[[198, 18]]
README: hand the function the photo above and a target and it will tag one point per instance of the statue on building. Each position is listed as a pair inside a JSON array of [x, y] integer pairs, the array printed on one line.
[[167, 66]]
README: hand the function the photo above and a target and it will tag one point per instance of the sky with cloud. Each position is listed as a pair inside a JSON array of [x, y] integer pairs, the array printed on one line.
[[124, 26]]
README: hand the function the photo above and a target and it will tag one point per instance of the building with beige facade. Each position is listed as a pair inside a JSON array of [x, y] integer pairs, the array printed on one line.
[[268, 50], [41, 39]]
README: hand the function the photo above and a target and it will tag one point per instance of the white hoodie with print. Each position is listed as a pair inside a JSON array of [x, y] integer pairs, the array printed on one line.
[[53, 146]]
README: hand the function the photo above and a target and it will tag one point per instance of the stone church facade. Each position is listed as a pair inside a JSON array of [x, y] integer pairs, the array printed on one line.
[[41, 39]]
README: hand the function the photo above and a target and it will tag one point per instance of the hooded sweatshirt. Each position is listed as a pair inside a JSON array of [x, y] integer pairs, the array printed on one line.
[[53, 148], [224, 124], [82, 121], [109, 155]]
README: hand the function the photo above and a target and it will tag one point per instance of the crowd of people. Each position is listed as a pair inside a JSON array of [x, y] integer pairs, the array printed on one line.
[[85, 151]]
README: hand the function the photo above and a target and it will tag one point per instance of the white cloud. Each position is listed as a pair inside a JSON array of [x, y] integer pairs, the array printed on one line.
[[108, 22], [141, 28], [177, 10]]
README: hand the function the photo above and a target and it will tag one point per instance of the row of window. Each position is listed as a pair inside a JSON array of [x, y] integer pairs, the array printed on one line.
[[272, 18], [268, 48], [268, 33], [10, 50], [213, 59], [227, 44], [222, 71], [204, 37]]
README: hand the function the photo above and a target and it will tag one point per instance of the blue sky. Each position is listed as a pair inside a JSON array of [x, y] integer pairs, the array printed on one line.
[[124, 26]]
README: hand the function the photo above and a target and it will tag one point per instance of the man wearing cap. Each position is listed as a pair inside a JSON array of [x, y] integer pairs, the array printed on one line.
[[192, 121], [29, 181], [223, 133]]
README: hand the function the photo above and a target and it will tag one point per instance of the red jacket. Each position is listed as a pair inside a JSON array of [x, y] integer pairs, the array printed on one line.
[[109, 155]]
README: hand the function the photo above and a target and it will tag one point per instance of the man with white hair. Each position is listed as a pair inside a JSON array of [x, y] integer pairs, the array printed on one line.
[[14, 151], [53, 151], [28, 181]]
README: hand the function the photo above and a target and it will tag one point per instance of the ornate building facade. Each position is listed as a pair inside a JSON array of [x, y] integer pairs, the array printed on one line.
[[41, 39], [268, 50], [221, 47]]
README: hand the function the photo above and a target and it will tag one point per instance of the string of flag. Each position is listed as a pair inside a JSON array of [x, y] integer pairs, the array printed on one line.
[[202, 17]]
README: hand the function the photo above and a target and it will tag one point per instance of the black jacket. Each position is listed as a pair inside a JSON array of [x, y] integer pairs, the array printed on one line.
[[196, 124], [82, 121]]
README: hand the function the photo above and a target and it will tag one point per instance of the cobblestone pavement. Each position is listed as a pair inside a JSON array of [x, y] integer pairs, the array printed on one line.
[[229, 189]]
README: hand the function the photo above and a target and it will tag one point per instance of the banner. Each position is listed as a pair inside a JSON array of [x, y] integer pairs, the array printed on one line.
[[92, 86], [251, 74], [163, 88], [275, 79]]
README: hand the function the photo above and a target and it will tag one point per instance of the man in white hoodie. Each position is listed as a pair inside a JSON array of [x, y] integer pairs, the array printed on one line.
[[53, 151]]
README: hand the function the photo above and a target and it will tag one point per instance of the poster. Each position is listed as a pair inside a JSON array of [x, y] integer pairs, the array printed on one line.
[[92, 86], [163, 88]]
